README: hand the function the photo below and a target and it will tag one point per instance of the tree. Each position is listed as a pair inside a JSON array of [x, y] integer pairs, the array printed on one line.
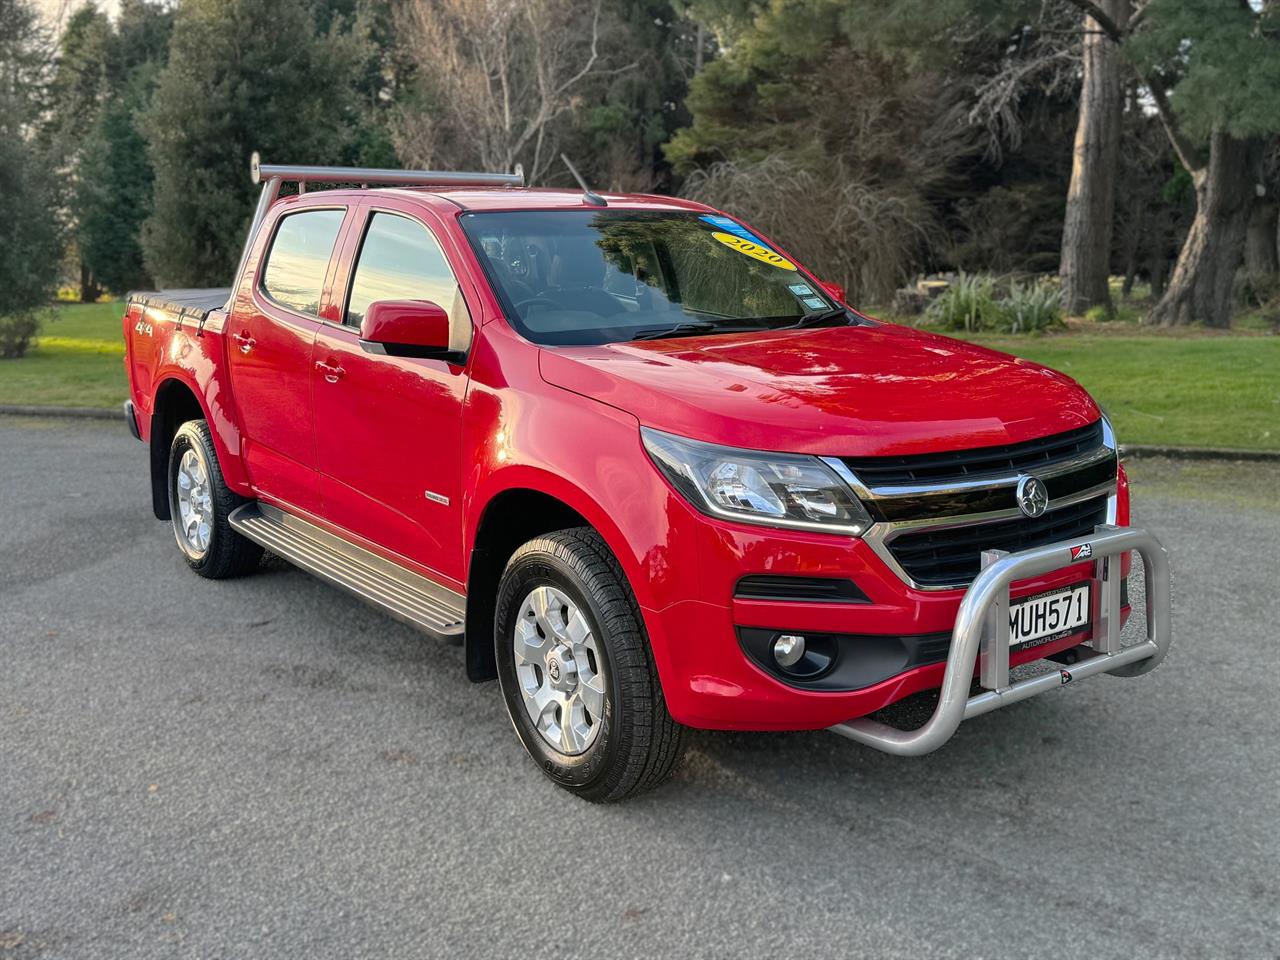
[[1086, 234], [1261, 263], [30, 238], [494, 78], [112, 196], [242, 75], [78, 89], [844, 133], [1213, 69], [1048, 47], [1261, 254], [625, 116], [1152, 199]]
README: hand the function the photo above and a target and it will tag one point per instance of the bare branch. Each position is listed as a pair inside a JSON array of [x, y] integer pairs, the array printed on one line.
[[498, 75], [1045, 58], [1189, 154], [595, 52]]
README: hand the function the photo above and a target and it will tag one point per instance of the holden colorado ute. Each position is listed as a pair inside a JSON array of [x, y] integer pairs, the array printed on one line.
[[647, 469]]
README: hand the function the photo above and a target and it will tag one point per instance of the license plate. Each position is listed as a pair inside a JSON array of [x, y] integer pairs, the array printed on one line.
[[1048, 616]]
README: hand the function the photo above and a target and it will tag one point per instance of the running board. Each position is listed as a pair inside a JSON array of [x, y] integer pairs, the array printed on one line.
[[405, 595]]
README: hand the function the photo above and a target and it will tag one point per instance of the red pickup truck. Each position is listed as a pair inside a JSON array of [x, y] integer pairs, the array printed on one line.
[[649, 470]]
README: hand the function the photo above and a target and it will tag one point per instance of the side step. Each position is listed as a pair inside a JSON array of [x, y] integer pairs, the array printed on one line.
[[405, 595]]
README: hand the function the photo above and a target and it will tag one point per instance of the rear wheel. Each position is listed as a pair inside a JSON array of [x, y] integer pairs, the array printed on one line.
[[199, 504], [576, 672]]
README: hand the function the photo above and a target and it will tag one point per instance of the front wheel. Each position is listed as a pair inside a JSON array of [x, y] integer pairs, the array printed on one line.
[[576, 672], [199, 504]]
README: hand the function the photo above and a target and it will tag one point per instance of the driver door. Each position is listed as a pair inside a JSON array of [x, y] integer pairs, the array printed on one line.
[[389, 429]]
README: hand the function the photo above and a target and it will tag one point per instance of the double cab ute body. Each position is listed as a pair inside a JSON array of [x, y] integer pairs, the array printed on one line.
[[647, 468]]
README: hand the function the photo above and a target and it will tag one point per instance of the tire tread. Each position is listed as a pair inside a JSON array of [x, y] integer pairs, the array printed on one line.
[[230, 554], [653, 741]]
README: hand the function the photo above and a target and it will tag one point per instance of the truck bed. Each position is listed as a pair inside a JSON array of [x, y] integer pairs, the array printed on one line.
[[182, 305]]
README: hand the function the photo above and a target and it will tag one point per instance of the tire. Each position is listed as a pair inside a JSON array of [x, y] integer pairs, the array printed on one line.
[[211, 547], [633, 744]]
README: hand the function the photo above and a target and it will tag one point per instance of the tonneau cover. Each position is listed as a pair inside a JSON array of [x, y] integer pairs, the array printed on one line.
[[183, 304]]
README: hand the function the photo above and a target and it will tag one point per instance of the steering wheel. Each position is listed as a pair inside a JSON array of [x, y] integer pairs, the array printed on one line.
[[532, 300]]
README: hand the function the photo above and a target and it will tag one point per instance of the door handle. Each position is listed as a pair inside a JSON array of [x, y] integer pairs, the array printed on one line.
[[332, 372], [246, 342]]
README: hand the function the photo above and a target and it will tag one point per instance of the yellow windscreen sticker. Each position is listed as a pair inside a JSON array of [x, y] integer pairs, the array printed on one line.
[[761, 253]]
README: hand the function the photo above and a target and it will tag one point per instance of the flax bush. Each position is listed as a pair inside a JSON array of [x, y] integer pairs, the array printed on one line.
[[968, 304], [979, 302], [1031, 307]]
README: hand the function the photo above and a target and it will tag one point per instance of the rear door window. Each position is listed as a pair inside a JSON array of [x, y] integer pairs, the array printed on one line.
[[299, 259]]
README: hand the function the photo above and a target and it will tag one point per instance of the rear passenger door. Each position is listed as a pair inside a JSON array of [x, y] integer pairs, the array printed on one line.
[[389, 429], [270, 335]]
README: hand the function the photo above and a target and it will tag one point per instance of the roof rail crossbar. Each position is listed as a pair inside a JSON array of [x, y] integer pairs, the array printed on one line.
[[423, 178]]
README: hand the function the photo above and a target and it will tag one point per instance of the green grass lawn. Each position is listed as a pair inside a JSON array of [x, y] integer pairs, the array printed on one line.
[[77, 361], [1186, 390], [1192, 391]]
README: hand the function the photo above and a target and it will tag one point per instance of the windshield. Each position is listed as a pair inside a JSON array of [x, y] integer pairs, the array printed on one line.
[[604, 276]]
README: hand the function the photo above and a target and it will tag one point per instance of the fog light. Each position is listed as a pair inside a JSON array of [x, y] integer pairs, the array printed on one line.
[[788, 649]]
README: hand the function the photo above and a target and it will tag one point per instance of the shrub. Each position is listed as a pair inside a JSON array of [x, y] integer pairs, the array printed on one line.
[[16, 333], [1031, 307], [978, 302], [969, 303]]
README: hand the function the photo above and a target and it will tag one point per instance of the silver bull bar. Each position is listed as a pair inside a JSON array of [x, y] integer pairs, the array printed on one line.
[[981, 635]]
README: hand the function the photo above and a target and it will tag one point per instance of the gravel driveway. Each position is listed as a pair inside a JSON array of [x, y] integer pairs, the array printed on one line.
[[268, 768]]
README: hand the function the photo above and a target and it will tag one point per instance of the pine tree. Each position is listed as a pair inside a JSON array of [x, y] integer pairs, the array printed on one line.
[[1212, 71], [112, 196], [1213, 67], [30, 238], [242, 75]]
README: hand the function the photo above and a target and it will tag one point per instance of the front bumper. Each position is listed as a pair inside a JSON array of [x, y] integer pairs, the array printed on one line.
[[710, 682], [980, 638]]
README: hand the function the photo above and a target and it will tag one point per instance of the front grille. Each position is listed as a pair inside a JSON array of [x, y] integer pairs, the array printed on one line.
[[950, 557], [943, 468]]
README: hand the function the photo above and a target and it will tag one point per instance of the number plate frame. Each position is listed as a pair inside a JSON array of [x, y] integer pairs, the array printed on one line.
[[1075, 615]]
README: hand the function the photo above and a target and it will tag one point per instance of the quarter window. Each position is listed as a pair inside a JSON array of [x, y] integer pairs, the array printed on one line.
[[299, 259], [400, 260]]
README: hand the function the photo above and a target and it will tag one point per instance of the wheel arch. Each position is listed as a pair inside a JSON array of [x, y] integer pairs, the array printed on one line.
[[175, 403], [533, 502], [176, 400], [511, 517]]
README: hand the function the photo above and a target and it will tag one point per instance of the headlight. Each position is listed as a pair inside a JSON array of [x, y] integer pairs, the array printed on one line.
[[1108, 431], [775, 489]]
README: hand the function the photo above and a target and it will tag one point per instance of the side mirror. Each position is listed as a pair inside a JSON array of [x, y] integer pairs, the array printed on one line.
[[833, 290], [407, 328]]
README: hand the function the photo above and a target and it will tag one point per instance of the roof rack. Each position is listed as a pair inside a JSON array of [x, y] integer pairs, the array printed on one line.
[[275, 174], [367, 175]]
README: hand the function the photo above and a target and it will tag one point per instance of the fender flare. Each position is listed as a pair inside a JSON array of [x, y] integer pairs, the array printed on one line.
[[483, 573], [222, 426], [539, 480]]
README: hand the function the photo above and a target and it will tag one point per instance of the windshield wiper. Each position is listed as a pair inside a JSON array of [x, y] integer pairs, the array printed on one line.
[[819, 319], [679, 330]]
